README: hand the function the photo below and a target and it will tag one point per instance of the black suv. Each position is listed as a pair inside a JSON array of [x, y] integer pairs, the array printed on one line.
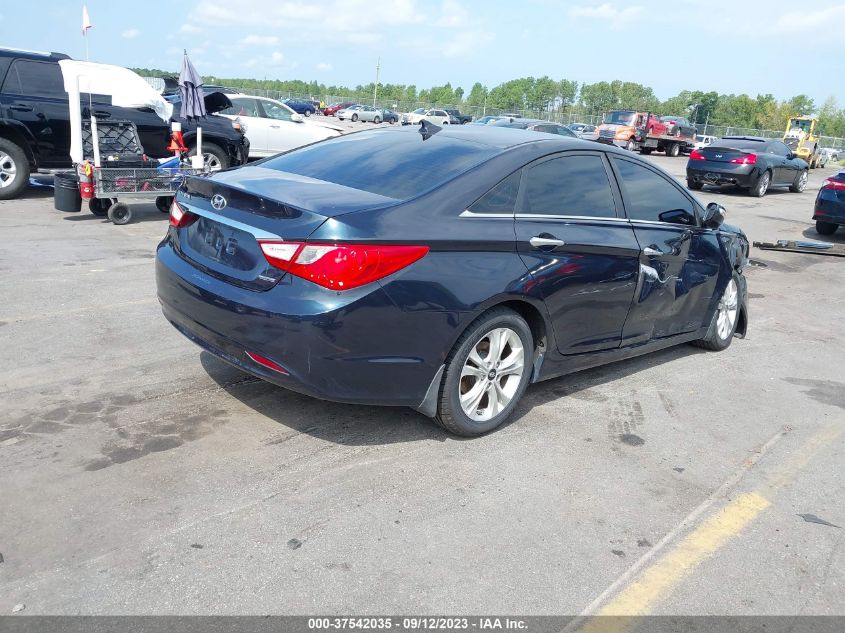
[[461, 118], [35, 122]]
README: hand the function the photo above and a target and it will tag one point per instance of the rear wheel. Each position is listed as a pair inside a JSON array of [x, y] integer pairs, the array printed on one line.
[[354, 118], [14, 170], [759, 190], [800, 182], [826, 228], [377, 120], [724, 322], [308, 113], [695, 186], [486, 373], [645, 151], [99, 206], [673, 150], [163, 203], [120, 213]]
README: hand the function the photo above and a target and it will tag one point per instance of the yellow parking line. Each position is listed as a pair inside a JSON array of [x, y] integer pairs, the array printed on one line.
[[656, 582]]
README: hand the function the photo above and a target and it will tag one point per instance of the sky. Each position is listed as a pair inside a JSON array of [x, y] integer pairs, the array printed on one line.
[[730, 46]]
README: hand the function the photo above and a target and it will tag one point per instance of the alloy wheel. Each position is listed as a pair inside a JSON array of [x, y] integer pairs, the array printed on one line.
[[211, 161], [763, 185], [491, 374], [8, 170], [727, 311], [802, 181]]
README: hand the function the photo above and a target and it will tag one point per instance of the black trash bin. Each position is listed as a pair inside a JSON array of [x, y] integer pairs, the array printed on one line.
[[66, 192]]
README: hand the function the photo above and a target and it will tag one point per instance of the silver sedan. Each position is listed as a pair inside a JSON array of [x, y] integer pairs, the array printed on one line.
[[361, 113]]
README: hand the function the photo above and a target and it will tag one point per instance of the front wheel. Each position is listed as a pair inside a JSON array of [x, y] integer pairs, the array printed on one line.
[[800, 183], [486, 374], [724, 322], [14, 170], [694, 185], [214, 157], [630, 145], [308, 113], [354, 118], [120, 213], [100, 206], [826, 228]]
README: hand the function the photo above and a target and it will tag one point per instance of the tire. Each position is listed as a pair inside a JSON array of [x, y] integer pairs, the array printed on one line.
[[120, 213], [308, 113], [695, 186], [826, 228], [800, 182], [163, 203], [725, 319], [630, 145], [759, 190], [14, 170], [467, 375], [354, 118], [215, 156], [99, 206], [645, 151], [377, 120], [446, 122], [673, 150]]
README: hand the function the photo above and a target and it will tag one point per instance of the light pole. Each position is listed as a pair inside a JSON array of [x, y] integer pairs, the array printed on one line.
[[375, 88]]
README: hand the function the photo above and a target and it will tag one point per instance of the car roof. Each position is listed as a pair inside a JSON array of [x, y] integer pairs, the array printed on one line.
[[34, 55], [747, 138], [503, 138]]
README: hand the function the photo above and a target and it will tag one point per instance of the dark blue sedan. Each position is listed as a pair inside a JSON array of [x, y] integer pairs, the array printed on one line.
[[302, 107], [446, 271], [829, 211]]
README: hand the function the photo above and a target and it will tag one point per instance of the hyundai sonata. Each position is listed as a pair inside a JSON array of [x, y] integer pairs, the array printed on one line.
[[445, 271]]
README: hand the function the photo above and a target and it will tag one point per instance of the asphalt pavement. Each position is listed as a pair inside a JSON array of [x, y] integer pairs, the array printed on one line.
[[140, 475]]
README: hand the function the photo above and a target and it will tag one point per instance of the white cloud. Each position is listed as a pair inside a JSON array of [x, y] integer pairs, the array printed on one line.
[[190, 28], [452, 14], [277, 57], [131, 33], [794, 22], [260, 40], [324, 67], [618, 18]]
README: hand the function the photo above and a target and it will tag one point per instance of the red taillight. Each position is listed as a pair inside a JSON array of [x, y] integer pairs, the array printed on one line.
[[748, 159], [261, 360], [180, 217], [833, 183], [340, 266], [696, 155]]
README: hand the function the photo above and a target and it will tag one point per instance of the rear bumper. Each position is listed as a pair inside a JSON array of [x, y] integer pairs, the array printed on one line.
[[829, 208], [722, 174], [334, 347]]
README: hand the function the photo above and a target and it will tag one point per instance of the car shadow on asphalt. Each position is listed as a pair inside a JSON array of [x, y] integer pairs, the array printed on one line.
[[371, 425], [740, 192], [836, 238]]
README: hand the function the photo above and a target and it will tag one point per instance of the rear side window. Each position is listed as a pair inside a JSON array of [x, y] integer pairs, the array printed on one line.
[[649, 196], [571, 185], [776, 147], [394, 163], [501, 198], [37, 79]]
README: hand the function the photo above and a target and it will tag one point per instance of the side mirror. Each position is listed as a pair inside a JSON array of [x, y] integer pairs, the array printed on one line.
[[297, 118], [714, 215]]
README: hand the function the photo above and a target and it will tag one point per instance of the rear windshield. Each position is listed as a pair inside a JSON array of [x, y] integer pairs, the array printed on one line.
[[393, 163], [740, 143]]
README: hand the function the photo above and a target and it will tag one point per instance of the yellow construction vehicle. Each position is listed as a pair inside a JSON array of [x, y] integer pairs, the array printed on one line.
[[801, 138]]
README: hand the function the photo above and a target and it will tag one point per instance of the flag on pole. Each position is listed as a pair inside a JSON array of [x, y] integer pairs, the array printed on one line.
[[86, 21]]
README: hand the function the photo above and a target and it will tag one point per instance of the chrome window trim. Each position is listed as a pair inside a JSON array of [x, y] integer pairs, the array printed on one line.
[[222, 219], [466, 213]]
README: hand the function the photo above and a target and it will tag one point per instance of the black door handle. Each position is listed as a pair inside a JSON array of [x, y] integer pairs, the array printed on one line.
[[20, 107], [102, 114]]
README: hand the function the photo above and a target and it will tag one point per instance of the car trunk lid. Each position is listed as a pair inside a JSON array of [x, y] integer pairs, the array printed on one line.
[[236, 209], [724, 154]]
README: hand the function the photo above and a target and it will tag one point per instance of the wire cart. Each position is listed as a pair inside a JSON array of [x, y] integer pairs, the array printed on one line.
[[126, 172]]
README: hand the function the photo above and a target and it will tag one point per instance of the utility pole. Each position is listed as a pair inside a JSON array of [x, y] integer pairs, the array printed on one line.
[[375, 88]]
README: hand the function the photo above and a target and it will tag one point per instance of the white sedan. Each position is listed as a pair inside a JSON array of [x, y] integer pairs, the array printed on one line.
[[272, 127]]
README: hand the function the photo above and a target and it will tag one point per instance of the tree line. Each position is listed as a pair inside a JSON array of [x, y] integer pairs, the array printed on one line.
[[544, 95]]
